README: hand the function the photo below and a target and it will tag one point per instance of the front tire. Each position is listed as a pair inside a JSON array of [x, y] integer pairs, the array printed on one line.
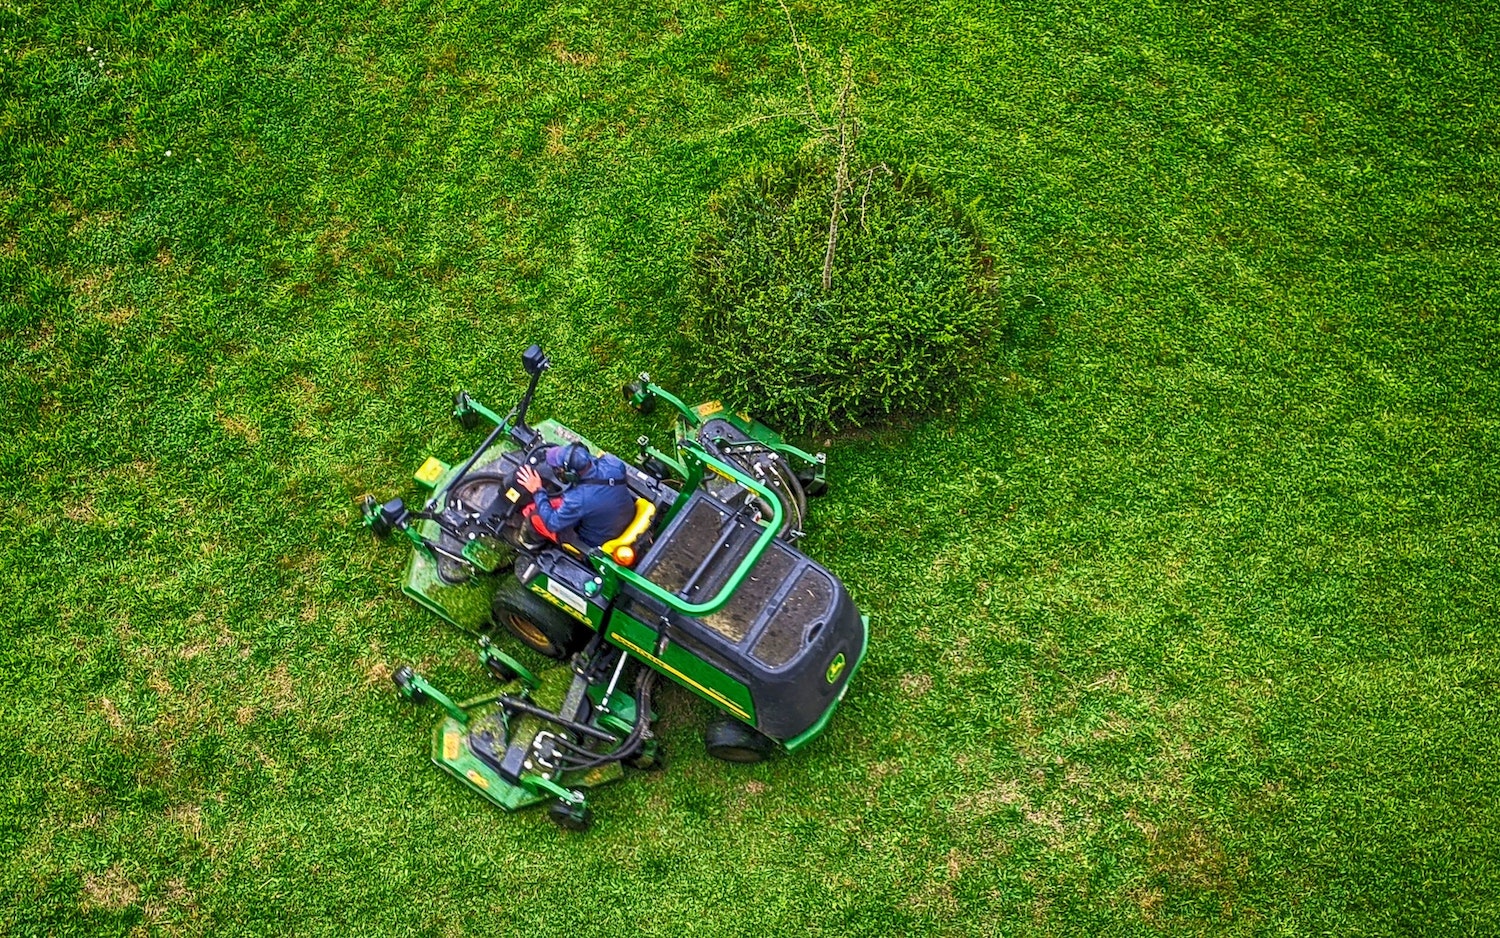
[[540, 627]]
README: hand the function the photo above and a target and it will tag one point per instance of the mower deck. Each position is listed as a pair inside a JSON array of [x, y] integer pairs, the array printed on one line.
[[475, 754]]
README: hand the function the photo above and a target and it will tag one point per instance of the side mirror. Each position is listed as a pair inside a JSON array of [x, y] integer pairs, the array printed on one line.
[[535, 361]]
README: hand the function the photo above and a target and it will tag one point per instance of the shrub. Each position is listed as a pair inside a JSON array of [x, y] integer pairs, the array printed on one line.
[[909, 313]]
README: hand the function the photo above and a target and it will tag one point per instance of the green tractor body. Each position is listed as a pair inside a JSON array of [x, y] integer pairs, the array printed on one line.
[[706, 589]]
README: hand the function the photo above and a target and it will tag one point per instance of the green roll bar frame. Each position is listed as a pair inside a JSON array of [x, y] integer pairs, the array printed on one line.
[[643, 393], [696, 459]]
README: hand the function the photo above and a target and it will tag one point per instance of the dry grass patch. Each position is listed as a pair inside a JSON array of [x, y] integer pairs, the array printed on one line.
[[1005, 793], [1186, 855], [555, 145], [916, 684], [240, 427], [561, 53], [112, 714], [81, 511], [1149, 900], [187, 818], [119, 315], [110, 890], [281, 691]]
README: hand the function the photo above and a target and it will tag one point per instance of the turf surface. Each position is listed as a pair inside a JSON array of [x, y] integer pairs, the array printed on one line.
[[1183, 618]]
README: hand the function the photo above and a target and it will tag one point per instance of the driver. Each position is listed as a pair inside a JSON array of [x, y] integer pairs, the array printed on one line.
[[597, 504]]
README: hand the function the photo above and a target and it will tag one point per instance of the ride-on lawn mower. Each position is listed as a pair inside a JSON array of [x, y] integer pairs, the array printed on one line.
[[704, 587]]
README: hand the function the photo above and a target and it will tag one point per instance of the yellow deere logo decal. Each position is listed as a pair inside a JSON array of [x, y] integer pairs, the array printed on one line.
[[836, 668]]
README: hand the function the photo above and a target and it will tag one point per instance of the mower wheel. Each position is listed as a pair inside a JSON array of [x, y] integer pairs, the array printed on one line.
[[463, 413], [500, 671], [571, 817], [537, 625], [373, 519], [638, 389], [403, 681], [651, 758], [733, 741]]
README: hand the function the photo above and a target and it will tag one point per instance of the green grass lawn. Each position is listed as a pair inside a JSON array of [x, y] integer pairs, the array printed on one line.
[[1183, 618]]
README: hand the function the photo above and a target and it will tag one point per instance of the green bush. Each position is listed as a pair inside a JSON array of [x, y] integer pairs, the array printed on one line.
[[911, 308]]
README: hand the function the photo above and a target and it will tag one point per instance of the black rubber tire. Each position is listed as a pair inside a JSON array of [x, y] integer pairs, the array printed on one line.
[[403, 681], [466, 418], [500, 671], [370, 512], [542, 628], [651, 758], [570, 817], [629, 392], [732, 741]]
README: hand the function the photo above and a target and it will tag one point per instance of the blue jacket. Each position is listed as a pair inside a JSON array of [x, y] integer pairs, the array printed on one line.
[[599, 505]]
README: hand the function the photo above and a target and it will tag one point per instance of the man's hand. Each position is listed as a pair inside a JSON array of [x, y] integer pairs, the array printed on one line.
[[528, 479]]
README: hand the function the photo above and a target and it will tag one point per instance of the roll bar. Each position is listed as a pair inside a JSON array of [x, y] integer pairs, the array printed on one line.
[[697, 459]]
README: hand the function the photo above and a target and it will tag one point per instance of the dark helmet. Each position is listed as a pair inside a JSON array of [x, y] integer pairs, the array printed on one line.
[[568, 462]]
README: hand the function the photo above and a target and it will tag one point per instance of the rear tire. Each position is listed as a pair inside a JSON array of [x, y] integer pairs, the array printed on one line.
[[733, 741], [540, 627]]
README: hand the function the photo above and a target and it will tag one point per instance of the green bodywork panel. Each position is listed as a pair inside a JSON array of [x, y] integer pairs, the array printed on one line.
[[451, 750], [682, 666]]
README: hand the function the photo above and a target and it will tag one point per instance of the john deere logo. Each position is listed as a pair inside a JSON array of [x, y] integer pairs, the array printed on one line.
[[835, 669]]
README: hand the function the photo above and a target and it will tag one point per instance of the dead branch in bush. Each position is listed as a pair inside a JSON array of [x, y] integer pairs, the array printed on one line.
[[845, 134], [869, 180], [812, 106], [840, 136]]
